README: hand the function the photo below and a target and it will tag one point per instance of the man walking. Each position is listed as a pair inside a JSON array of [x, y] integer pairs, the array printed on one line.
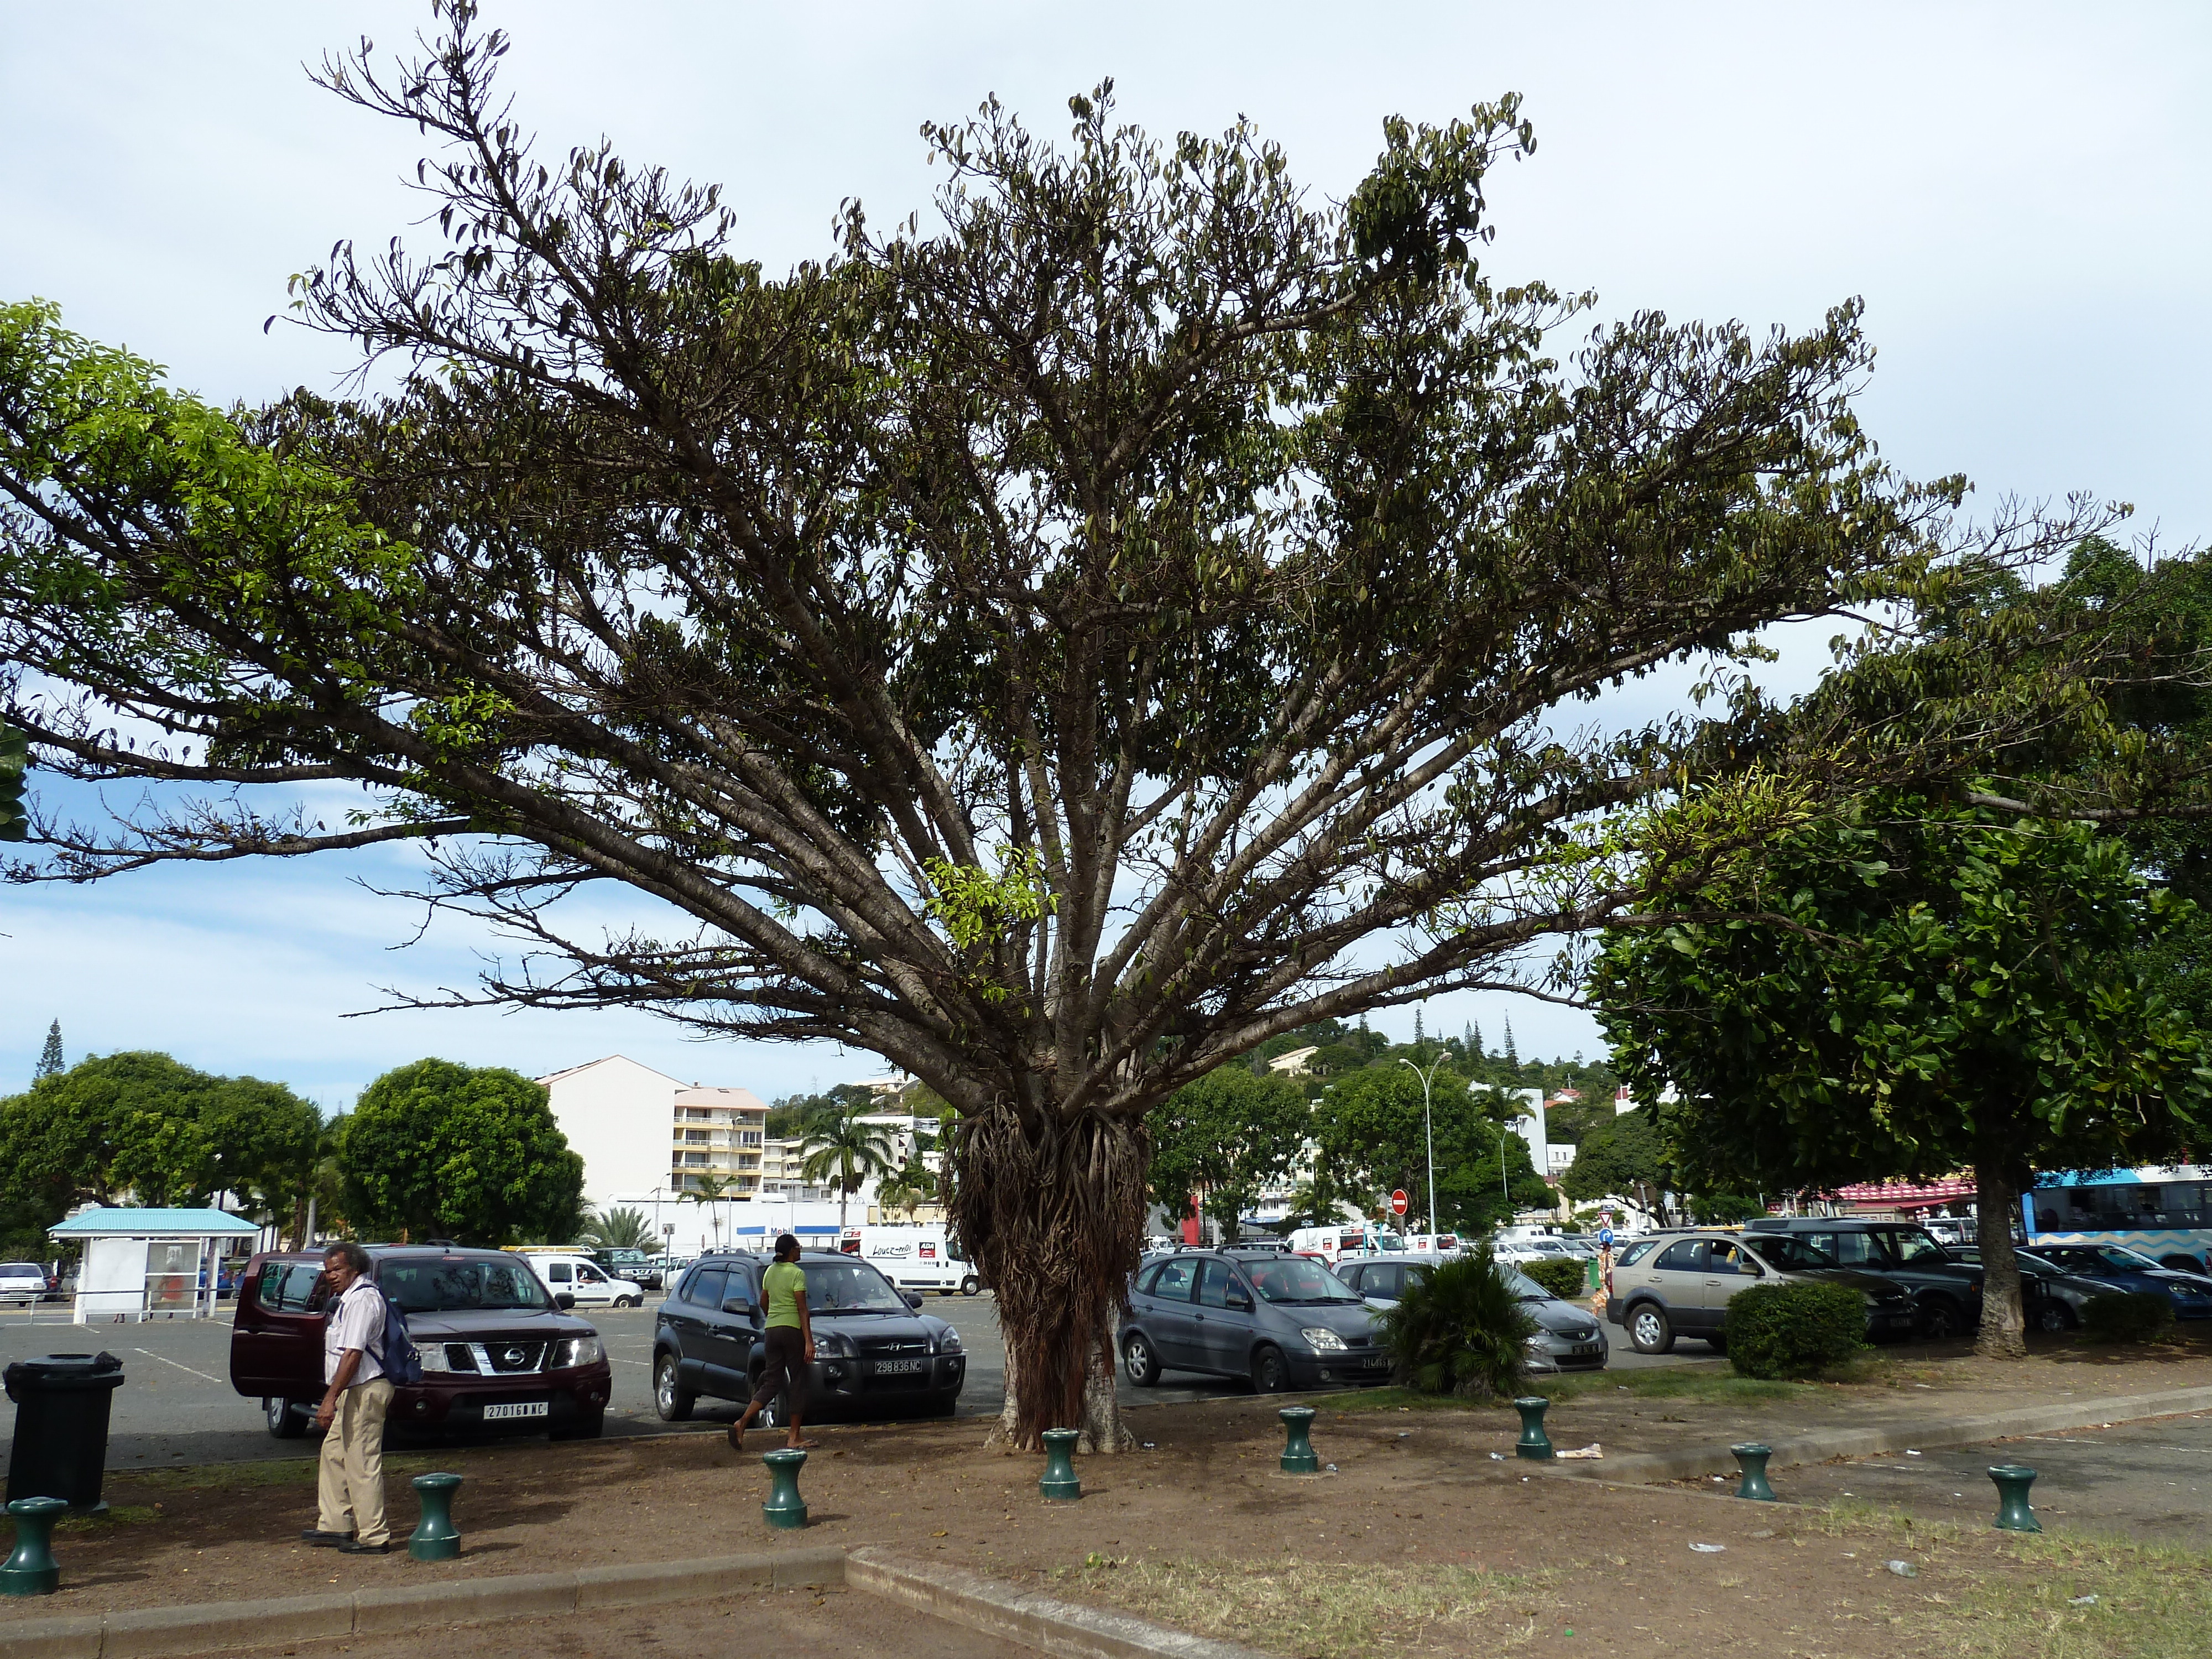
[[356, 1395], [789, 1338]]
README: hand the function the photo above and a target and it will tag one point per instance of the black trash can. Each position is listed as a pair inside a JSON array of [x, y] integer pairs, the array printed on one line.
[[62, 1401]]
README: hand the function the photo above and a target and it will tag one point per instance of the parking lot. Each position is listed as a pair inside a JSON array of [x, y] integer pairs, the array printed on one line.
[[179, 1406]]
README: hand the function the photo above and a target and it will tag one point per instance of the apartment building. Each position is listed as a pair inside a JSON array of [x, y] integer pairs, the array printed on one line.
[[646, 1136], [718, 1136]]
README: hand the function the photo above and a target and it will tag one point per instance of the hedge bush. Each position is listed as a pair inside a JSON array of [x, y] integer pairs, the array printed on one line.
[[2127, 1316], [1793, 1330], [1565, 1279]]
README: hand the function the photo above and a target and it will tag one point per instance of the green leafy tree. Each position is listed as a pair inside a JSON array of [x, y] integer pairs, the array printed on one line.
[[1370, 1126], [1621, 1158], [1921, 987], [471, 1153], [907, 1188], [1049, 651], [1224, 1140], [844, 1150]]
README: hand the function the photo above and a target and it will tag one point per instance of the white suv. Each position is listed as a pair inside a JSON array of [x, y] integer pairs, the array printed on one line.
[[581, 1277]]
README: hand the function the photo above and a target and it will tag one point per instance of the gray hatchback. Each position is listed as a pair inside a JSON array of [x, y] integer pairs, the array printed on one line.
[[1567, 1338], [1284, 1321]]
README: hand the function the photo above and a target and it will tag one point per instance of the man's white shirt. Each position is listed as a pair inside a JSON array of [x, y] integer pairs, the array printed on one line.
[[357, 1322]]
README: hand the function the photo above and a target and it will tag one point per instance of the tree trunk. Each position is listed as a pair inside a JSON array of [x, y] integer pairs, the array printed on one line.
[[1051, 1211], [1996, 1196]]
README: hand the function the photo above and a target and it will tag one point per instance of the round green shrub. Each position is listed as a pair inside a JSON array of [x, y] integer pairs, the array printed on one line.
[[1565, 1280], [2127, 1316], [1460, 1330], [1793, 1330]]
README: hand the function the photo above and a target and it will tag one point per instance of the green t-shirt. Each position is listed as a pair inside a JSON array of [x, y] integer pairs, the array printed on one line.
[[781, 1285]]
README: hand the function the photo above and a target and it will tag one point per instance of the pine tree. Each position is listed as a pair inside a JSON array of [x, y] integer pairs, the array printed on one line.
[[1512, 1054], [50, 1057], [1474, 1038], [1420, 1036]]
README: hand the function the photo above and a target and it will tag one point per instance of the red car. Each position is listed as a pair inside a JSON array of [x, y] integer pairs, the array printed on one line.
[[500, 1352]]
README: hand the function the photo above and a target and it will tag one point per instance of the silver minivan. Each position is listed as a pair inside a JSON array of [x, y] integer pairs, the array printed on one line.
[[1285, 1321]]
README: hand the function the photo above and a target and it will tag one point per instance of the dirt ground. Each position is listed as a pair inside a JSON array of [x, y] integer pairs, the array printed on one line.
[[1411, 1487]]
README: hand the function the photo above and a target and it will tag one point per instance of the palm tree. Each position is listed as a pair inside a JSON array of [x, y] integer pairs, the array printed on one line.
[[907, 1188], [617, 1230], [844, 1151], [709, 1191]]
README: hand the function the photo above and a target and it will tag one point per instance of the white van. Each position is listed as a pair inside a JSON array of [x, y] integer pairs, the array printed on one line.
[[571, 1272], [919, 1258], [1331, 1244]]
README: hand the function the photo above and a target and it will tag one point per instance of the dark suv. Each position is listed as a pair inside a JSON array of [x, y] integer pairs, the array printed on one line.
[[1946, 1294], [872, 1348], [499, 1354]]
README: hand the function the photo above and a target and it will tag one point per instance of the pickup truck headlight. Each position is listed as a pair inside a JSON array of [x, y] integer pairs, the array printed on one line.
[[571, 1351], [949, 1342], [431, 1356], [1324, 1340]]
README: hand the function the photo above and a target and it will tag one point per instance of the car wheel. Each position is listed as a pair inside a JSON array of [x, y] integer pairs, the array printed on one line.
[[970, 1286], [1717, 1341], [1648, 1331], [584, 1428], [1139, 1362], [2181, 1263], [671, 1402], [1271, 1372], [284, 1423], [2054, 1316], [1940, 1319]]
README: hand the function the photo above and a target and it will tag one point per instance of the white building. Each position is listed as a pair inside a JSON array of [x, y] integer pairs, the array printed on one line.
[[1558, 1158]]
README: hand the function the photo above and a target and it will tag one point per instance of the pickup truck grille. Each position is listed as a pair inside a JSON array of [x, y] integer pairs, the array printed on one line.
[[496, 1358]]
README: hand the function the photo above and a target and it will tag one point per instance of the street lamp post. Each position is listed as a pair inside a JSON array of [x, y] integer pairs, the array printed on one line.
[[1428, 1127]]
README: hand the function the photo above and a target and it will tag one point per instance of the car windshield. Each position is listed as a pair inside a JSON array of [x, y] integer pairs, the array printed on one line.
[[1790, 1255], [1524, 1288], [849, 1287], [2127, 1260], [1912, 1245], [456, 1285], [1296, 1279]]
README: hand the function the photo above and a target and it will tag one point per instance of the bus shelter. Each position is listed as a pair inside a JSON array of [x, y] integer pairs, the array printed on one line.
[[149, 1264]]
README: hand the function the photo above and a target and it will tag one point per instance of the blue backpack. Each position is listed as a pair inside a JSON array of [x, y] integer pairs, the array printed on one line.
[[396, 1353]]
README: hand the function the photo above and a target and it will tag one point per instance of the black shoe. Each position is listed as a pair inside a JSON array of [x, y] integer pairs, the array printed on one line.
[[354, 1546], [324, 1541]]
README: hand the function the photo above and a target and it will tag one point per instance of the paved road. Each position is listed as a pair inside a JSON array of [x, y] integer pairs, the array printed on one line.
[[178, 1406], [2151, 1481]]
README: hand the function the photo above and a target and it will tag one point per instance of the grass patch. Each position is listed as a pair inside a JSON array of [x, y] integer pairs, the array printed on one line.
[[2152, 1601], [1685, 1385], [1297, 1607]]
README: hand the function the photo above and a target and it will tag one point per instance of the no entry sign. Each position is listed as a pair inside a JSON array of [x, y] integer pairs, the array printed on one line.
[[1398, 1202]]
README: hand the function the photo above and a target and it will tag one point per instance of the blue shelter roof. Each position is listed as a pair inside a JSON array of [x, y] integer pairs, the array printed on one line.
[[114, 1221]]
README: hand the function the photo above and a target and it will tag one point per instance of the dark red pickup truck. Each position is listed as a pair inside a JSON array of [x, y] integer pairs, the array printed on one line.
[[499, 1353]]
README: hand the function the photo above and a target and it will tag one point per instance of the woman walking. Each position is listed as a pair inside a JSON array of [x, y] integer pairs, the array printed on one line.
[[790, 1341]]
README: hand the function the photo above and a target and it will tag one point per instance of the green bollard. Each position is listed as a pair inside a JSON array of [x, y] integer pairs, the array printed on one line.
[[1060, 1482], [1534, 1441], [785, 1508], [2013, 1514], [1298, 1443], [1753, 1456], [31, 1569], [435, 1537]]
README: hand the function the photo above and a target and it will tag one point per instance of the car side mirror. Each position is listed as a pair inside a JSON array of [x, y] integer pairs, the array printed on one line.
[[738, 1304], [913, 1300], [564, 1300]]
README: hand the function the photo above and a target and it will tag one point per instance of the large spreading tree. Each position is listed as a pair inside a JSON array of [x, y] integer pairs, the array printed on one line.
[[1058, 650]]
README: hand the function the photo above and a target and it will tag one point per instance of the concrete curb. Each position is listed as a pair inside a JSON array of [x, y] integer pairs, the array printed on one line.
[[1024, 1616], [207, 1627], [1649, 1469]]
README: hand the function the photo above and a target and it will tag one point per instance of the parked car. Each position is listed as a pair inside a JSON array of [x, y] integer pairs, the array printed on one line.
[[2050, 1297], [635, 1266], [572, 1273], [1567, 1338], [1673, 1284], [2131, 1270], [1947, 1295], [873, 1347], [23, 1282], [921, 1258], [1283, 1322], [500, 1353]]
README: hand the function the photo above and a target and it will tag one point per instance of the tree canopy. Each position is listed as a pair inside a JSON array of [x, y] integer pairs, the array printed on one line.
[[1223, 1139], [439, 1150], [1371, 1131], [1909, 990], [1049, 652]]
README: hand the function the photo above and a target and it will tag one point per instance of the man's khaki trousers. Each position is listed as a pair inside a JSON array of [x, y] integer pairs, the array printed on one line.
[[350, 1481]]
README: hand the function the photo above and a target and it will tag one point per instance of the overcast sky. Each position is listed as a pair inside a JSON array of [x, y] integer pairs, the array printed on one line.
[[2020, 193]]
